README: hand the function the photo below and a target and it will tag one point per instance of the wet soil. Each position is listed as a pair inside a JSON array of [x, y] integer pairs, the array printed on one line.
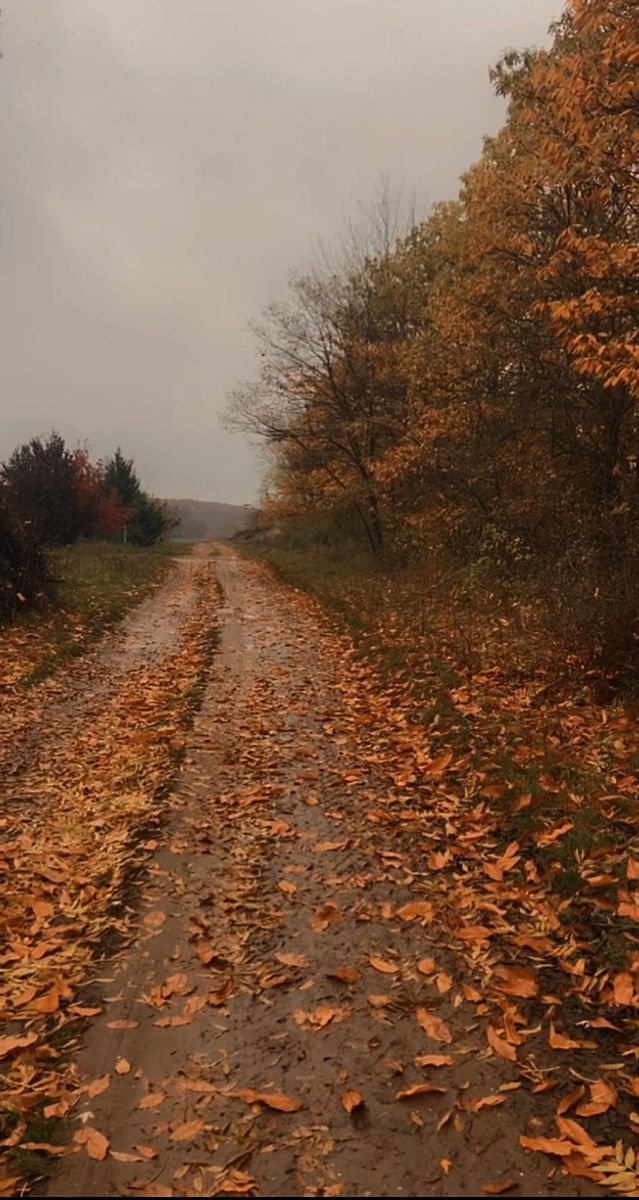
[[276, 847]]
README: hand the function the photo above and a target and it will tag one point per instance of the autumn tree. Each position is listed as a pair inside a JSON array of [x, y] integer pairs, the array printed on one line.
[[330, 393], [100, 512]]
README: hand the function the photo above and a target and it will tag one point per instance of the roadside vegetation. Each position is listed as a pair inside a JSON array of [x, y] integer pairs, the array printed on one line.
[[96, 584], [52, 497], [457, 397], [451, 409], [80, 542]]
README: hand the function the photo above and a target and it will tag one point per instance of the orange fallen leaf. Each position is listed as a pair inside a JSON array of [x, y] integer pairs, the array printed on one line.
[[416, 908], [344, 974], [122, 1066], [471, 994], [94, 1142], [418, 1089], [573, 1097], [176, 984], [500, 1045], [602, 1097], [275, 1100], [9, 1044], [559, 1041], [438, 765], [292, 960], [623, 988], [155, 919], [433, 1026], [496, 1189], [46, 1148], [516, 981], [187, 1130], [322, 1015], [97, 1086], [49, 1002], [351, 1099], [328, 914], [547, 1145], [152, 1100], [122, 1024], [383, 965], [433, 1060], [476, 1105]]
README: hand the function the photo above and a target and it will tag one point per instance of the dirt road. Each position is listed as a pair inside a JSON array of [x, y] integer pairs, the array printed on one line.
[[287, 965]]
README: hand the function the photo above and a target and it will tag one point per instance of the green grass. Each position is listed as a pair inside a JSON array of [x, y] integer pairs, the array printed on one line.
[[97, 584]]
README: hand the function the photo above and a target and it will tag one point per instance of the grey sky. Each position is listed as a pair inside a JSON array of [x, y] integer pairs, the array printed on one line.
[[166, 163]]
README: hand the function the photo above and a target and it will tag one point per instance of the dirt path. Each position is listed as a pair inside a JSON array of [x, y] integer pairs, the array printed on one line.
[[282, 951], [52, 713]]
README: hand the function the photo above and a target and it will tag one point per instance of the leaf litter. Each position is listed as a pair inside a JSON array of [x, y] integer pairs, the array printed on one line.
[[490, 968]]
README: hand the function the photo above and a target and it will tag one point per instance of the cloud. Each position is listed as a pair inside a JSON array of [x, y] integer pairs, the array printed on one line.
[[165, 168]]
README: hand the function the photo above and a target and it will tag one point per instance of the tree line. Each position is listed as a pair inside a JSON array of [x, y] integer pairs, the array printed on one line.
[[51, 495], [465, 388]]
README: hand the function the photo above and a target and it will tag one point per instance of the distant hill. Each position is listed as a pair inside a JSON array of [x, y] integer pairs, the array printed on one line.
[[204, 519]]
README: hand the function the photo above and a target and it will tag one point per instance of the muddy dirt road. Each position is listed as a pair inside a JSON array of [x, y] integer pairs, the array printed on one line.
[[287, 1019]]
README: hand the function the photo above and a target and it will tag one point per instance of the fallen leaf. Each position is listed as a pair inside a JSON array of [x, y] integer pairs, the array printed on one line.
[[433, 1026], [291, 960], [97, 1086], [152, 1100], [418, 1089], [416, 908], [275, 1100], [344, 974], [155, 919], [433, 1060], [500, 1045], [559, 1041], [9, 1044], [383, 965], [94, 1142], [187, 1130], [328, 914], [351, 1099], [547, 1145]]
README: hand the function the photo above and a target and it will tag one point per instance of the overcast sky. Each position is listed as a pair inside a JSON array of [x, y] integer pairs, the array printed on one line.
[[167, 163]]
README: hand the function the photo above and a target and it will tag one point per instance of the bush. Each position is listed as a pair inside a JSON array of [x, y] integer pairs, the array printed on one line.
[[24, 574]]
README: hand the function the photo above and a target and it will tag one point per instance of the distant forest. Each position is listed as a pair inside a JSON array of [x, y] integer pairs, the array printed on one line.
[[200, 520]]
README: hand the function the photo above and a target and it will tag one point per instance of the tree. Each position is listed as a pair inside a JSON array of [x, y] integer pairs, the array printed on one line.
[[39, 481], [148, 519], [100, 511], [330, 393]]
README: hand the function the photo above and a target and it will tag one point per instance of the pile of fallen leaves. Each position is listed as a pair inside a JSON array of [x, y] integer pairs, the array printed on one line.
[[521, 801], [70, 848]]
